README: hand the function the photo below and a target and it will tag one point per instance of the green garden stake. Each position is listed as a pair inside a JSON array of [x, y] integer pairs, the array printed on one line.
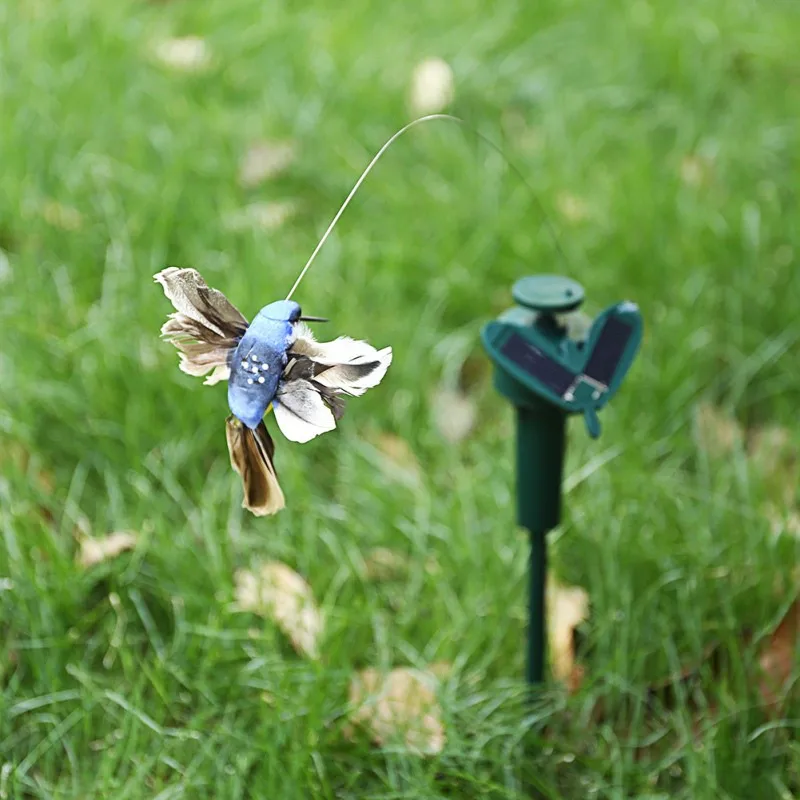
[[547, 375]]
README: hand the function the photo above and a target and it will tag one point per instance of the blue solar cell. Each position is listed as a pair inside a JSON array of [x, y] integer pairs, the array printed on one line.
[[538, 364], [608, 350]]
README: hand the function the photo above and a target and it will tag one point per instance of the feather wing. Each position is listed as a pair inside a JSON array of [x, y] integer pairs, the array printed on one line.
[[344, 365], [206, 327], [301, 411], [309, 398]]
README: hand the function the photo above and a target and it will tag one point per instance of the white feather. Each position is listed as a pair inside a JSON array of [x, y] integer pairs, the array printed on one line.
[[340, 354], [340, 377], [343, 350], [220, 373], [301, 413]]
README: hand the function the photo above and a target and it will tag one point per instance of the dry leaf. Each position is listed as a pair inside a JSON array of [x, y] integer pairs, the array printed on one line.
[[186, 54], [432, 87], [772, 451], [279, 593], [398, 460], [779, 655], [399, 705], [383, 564], [574, 209], [567, 607], [771, 447], [264, 160], [260, 216], [454, 414], [717, 432], [787, 522], [14, 454], [60, 216], [94, 551]]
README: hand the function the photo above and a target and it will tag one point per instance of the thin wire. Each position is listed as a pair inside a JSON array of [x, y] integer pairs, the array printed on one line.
[[377, 157], [355, 188]]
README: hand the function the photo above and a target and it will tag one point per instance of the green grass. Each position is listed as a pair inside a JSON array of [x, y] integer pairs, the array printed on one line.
[[137, 679]]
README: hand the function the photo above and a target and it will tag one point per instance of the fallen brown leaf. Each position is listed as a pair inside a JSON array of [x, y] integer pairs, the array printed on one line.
[[383, 564], [264, 160], [277, 592], [454, 414], [16, 455], [567, 607], [717, 432], [398, 705], [783, 522], [771, 447], [773, 452], [778, 656], [96, 550]]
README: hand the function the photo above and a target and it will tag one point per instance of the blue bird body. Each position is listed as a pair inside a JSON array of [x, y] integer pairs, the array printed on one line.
[[259, 360]]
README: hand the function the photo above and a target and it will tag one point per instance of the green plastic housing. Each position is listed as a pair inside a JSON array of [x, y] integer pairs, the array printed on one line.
[[547, 375]]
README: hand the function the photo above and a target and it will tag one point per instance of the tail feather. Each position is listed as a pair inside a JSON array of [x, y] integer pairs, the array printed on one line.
[[251, 453]]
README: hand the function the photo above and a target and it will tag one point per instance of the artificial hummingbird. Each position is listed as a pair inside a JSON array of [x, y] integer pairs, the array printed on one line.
[[273, 363]]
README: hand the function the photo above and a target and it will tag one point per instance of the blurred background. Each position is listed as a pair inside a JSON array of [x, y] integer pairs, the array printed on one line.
[[153, 640]]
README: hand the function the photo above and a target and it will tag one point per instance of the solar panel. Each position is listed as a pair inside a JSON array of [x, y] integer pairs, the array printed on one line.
[[608, 350], [538, 364]]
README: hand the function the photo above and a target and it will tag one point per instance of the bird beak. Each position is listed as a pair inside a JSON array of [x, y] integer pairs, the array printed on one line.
[[314, 319]]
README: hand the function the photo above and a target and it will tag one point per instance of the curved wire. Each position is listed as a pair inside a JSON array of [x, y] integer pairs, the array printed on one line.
[[386, 146]]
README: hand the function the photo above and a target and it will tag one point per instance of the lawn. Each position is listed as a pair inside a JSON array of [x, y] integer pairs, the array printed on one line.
[[661, 139]]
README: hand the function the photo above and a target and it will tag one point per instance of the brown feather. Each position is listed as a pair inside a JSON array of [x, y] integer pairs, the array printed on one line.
[[206, 327], [251, 453]]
